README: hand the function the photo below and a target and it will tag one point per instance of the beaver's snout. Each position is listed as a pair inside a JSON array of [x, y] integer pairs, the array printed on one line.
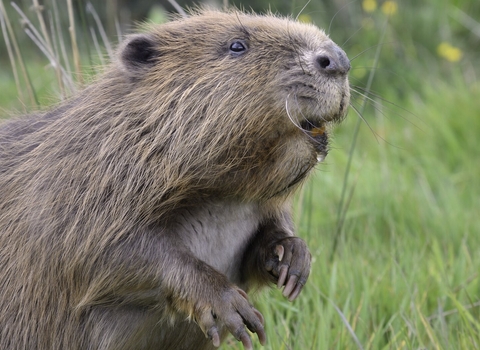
[[332, 60]]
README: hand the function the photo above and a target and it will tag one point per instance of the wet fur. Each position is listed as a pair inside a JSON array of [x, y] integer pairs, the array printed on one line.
[[135, 210]]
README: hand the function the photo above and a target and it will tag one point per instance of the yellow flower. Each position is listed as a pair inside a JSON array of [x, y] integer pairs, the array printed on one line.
[[369, 5], [449, 52], [304, 18], [389, 8]]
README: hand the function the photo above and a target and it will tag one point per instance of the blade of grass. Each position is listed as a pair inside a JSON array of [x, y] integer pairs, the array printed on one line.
[[179, 9], [345, 322], [60, 72], [44, 50], [31, 92], [101, 30], [428, 328], [38, 9], [11, 56], [43, 44], [61, 40], [97, 46], [73, 37], [118, 30], [472, 324], [343, 205]]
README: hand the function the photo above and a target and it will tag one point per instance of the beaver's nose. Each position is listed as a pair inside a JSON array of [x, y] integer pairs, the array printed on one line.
[[332, 60]]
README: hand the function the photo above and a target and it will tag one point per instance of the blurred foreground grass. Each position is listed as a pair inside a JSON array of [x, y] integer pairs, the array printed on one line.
[[405, 272]]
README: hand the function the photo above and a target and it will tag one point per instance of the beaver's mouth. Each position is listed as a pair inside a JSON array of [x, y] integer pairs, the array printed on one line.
[[315, 128], [318, 136]]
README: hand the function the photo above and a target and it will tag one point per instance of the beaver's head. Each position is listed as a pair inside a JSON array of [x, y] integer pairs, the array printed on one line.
[[241, 103]]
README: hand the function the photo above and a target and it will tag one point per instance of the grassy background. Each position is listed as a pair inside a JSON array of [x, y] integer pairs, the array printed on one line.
[[402, 271]]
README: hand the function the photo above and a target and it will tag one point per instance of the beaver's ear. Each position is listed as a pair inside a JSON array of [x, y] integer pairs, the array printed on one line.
[[139, 52]]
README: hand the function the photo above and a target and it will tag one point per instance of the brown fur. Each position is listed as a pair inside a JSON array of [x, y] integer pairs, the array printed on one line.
[[131, 215]]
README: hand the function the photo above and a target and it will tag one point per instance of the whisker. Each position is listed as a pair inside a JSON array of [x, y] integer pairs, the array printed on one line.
[[312, 125], [377, 136], [301, 113], [357, 112], [376, 104], [303, 8], [386, 70], [351, 36], [336, 13], [294, 123], [369, 48], [288, 114]]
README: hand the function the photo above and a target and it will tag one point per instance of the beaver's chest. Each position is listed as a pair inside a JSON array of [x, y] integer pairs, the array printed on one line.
[[219, 232]]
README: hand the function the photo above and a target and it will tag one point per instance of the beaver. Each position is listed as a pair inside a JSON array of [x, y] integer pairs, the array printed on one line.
[[140, 212]]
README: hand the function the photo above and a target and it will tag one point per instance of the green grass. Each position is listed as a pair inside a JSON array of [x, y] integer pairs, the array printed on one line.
[[43, 81], [405, 272]]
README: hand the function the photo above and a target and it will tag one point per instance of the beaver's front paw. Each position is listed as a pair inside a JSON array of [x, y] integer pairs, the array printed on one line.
[[289, 262], [233, 311]]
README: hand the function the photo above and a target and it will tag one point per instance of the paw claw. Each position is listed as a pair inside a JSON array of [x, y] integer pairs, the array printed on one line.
[[283, 276], [279, 251], [234, 312], [296, 292], [242, 293], [292, 282], [260, 316], [214, 337], [289, 264], [246, 341]]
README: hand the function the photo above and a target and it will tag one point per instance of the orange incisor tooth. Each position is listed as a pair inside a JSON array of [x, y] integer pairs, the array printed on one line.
[[318, 131]]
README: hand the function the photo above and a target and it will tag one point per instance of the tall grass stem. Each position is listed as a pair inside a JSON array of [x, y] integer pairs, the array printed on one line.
[[73, 36], [344, 204], [31, 92]]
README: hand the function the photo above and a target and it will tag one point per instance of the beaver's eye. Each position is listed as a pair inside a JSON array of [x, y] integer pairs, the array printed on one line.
[[237, 47]]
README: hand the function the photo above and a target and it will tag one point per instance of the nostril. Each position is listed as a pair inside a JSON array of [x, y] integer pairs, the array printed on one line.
[[332, 61], [323, 61]]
